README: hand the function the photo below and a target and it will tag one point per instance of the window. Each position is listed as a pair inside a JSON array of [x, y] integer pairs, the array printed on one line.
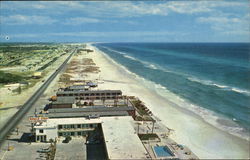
[[40, 130], [72, 133], [72, 126], [78, 126], [108, 93], [59, 126], [85, 126], [60, 134], [79, 133], [91, 125]]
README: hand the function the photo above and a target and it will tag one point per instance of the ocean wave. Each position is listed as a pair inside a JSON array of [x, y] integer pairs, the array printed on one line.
[[241, 91], [145, 63], [211, 83], [207, 115], [122, 53], [159, 86], [130, 57]]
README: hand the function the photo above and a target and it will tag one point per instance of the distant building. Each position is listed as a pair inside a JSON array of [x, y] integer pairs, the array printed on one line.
[[77, 88], [91, 94], [91, 111], [37, 75], [62, 102], [92, 84]]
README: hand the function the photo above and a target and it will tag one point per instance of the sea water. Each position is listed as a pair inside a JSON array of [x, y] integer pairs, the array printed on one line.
[[212, 78]]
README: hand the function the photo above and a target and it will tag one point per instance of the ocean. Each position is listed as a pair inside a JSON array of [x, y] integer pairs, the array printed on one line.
[[212, 79]]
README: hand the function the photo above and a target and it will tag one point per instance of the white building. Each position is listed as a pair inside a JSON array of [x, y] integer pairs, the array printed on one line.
[[53, 128], [120, 138]]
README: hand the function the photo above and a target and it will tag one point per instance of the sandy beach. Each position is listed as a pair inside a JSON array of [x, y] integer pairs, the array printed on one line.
[[203, 139]]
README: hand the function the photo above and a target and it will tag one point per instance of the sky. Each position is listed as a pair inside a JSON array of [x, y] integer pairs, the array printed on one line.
[[125, 21]]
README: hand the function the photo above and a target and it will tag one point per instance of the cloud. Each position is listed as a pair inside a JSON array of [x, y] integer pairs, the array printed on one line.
[[124, 8], [228, 24], [26, 20], [81, 20], [114, 34], [100, 34]]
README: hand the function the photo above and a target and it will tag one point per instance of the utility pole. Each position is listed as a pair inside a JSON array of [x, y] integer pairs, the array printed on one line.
[[153, 126]]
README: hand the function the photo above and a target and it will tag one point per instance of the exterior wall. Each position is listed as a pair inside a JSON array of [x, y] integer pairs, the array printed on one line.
[[51, 133], [132, 113], [61, 106], [64, 130], [93, 96], [48, 133]]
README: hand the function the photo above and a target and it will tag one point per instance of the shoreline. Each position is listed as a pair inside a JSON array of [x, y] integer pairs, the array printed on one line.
[[202, 138]]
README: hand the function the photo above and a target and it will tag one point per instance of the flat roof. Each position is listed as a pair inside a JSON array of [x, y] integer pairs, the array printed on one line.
[[64, 100], [90, 91], [54, 122], [121, 140], [82, 114], [91, 109]]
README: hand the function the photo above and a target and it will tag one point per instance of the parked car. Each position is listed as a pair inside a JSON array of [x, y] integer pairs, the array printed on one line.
[[67, 139], [44, 150]]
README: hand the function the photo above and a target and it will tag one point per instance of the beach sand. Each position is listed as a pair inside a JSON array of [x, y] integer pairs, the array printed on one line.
[[203, 139]]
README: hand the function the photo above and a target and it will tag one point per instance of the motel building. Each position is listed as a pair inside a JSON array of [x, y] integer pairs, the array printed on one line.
[[117, 133], [91, 94], [62, 127]]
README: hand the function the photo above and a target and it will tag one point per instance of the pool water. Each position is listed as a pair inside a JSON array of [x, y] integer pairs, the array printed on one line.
[[162, 151]]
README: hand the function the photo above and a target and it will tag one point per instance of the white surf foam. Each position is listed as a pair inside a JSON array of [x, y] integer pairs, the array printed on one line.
[[130, 57], [211, 83], [145, 63], [207, 115]]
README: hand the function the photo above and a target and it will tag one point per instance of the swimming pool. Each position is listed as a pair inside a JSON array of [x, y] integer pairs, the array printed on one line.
[[162, 151]]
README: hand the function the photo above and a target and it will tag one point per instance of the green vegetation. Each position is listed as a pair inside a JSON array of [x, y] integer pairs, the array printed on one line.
[[19, 61], [148, 136], [48, 64], [10, 78]]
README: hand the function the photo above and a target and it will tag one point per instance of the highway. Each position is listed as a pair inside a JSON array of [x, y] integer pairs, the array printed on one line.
[[16, 118]]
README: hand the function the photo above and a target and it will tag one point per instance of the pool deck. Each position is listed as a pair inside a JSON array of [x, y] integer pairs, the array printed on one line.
[[161, 130], [180, 153]]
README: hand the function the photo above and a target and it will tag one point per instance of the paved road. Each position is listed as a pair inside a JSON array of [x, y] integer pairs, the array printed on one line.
[[12, 123]]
